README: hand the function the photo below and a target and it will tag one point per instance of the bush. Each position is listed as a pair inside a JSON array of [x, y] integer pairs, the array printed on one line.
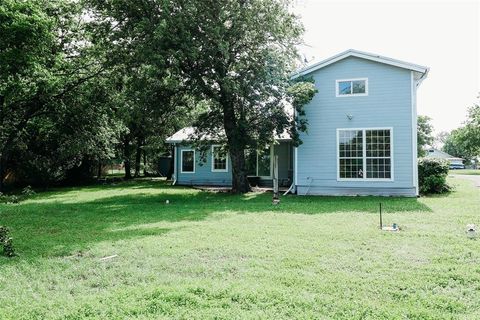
[[432, 175], [6, 242], [9, 198], [28, 191]]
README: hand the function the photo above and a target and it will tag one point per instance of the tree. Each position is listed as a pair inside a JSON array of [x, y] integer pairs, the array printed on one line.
[[456, 144], [235, 57], [150, 95], [50, 115], [464, 142], [424, 134], [238, 56], [440, 139], [42, 61]]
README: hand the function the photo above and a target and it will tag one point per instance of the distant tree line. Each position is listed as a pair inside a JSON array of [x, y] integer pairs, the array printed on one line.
[[463, 142], [85, 83]]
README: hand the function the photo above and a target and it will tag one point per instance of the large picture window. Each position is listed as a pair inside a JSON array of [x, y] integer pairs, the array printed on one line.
[[219, 159], [188, 161], [364, 154]]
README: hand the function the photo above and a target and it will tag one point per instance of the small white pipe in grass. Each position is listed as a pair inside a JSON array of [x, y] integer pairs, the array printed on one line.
[[289, 189], [109, 257]]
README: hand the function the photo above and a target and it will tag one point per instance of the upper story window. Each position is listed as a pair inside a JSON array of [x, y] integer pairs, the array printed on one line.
[[188, 161], [352, 87], [219, 159]]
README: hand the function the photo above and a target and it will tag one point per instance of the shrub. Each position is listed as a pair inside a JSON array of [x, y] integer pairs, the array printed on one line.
[[6, 242], [432, 175], [28, 191]]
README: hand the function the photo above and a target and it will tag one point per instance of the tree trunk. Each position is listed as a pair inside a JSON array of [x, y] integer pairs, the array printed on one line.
[[239, 172], [138, 158], [99, 169], [145, 173], [126, 158], [236, 146], [2, 173]]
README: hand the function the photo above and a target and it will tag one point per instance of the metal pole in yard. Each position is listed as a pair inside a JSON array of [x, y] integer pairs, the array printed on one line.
[[381, 223]]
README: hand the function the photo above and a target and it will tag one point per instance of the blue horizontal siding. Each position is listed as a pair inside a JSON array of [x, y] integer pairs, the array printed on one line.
[[388, 104], [203, 174]]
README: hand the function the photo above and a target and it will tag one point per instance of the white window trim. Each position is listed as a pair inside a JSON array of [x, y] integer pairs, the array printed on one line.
[[213, 159], [391, 179], [271, 165], [181, 160], [338, 95]]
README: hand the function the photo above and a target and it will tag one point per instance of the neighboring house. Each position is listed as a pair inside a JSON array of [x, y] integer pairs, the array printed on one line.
[[455, 163], [361, 139]]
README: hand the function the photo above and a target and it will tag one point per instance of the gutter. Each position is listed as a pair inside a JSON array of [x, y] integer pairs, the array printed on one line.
[[423, 77]]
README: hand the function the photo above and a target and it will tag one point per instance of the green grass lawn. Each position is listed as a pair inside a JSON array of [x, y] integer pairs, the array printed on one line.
[[465, 171], [209, 255]]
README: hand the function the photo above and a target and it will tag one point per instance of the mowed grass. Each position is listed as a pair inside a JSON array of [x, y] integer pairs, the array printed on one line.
[[208, 255], [465, 171]]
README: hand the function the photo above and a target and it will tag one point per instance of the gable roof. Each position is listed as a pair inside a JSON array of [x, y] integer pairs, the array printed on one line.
[[435, 153], [364, 55]]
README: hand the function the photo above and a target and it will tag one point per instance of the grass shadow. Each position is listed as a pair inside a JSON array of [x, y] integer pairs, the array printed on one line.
[[59, 223]]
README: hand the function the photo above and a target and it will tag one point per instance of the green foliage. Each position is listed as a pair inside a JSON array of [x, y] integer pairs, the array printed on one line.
[[52, 114], [28, 191], [432, 175], [464, 142], [458, 144], [6, 242], [301, 93], [424, 134]]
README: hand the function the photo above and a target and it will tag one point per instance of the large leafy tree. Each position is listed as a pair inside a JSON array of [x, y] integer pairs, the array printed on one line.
[[235, 57], [238, 56], [47, 102], [150, 95], [424, 134], [464, 142]]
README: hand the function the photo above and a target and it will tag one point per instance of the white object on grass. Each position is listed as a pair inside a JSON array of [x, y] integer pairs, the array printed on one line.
[[471, 231], [109, 257]]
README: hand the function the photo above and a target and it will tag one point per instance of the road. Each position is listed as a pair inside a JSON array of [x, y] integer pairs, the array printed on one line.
[[474, 178]]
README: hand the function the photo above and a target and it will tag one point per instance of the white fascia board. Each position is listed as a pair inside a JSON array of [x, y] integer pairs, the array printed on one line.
[[363, 55]]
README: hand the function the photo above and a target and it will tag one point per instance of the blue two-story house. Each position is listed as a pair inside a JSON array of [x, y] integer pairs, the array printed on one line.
[[361, 138]]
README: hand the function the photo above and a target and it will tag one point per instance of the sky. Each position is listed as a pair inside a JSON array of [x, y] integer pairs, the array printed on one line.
[[442, 35]]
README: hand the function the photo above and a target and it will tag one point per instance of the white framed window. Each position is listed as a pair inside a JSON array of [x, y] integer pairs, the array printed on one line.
[[351, 87], [365, 154], [219, 159], [187, 164]]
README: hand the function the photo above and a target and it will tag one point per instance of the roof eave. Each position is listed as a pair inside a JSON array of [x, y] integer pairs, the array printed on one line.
[[360, 54]]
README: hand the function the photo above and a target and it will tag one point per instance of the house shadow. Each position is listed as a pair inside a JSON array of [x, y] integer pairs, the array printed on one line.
[[56, 228]]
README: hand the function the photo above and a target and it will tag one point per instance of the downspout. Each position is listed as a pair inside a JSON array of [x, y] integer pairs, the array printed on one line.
[[414, 127], [289, 189], [174, 164]]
